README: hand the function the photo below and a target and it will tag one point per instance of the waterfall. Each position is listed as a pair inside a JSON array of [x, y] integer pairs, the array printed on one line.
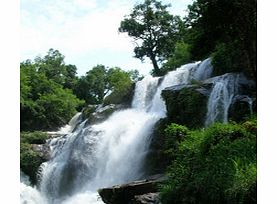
[[88, 157], [224, 88], [28, 194], [204, 71]]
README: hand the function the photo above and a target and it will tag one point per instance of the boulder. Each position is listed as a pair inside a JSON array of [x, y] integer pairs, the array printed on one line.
[[126, 193], [187, 104], [43, 150], [101, 113], [149, 198], [123, 96], [242, 106]]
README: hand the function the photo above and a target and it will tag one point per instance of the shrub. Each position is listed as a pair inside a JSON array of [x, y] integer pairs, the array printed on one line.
[[173, 135], [180, 57], [227, 58], [216, 165], [33, 137], [29, 161]]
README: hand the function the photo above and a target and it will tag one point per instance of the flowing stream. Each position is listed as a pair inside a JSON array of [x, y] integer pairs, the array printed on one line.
[[89, 157], [225, 89]]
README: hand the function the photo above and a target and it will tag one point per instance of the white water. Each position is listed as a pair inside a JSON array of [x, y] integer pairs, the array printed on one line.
[[225, 87], [204, 71], [108, 153]]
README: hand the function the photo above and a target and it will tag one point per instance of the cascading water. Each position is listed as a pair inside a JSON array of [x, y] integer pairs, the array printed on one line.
[[203, 71], [225, 87], [108, 153]]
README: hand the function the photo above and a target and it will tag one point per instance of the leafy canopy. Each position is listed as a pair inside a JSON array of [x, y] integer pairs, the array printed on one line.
[[101, 82], [154, 30], [45, 101], [226, 28]]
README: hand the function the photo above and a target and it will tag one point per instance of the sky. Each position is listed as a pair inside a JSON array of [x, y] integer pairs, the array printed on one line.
[[84, 31]]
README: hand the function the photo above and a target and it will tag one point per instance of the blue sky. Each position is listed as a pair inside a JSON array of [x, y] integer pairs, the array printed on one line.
[[85, 31]]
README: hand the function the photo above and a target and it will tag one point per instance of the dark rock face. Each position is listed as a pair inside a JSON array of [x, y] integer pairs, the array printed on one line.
[[101, 113], [43, 150], [242, 106], [134, 192], [156, 160], [124, 96], [149, 198], [187, 104]]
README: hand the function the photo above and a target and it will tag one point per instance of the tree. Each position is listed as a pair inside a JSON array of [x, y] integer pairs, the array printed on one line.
[[52, 65], [54, 68], [44, 103], [92, 86], [119, 85], [135, 75], [101, 81], [220, 26], [180, 56], [154, 30], [70, 76]]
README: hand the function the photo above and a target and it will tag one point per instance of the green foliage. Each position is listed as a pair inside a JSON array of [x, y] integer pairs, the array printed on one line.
[[244, 185], [45, 103], [57, 108], [100, 82], [29, 161], [50, 91], [33, 137], [182, 105], [173, 134], [92, 86], [154, 29], [180, 56], [227, 58], [251, 125], [228, 28], [216, 165], [120, 85], [53, 67], [134, 75]]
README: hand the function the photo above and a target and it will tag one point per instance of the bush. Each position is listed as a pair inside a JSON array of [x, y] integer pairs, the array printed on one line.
[[180, 57], [216, 165], [173, 135], [29, 161], [121, 87], [33, 137], [228, 58], [182, 105]]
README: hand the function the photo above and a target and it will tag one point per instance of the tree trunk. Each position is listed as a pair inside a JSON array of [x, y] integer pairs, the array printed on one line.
[[155, 65]]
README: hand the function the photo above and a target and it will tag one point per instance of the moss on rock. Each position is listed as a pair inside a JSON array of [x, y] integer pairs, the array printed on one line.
[[187, 105], [30, 161]]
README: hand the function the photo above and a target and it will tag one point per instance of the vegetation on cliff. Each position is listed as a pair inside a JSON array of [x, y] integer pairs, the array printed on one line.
[[223, 29], [214, 165], [30, 160], [51, 92]]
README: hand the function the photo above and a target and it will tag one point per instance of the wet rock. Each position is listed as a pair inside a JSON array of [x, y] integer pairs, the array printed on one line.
[[43, 150], [101, 113], [187, 104], [126, 193], [149, 198], [240, 108]]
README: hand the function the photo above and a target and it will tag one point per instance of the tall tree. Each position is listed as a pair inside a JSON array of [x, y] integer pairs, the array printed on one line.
[[44, 102], [154, 30], [101, 81], [92, 86], [228, 28]]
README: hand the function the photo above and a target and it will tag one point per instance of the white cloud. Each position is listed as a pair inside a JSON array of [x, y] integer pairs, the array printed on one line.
[[80, 29]]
